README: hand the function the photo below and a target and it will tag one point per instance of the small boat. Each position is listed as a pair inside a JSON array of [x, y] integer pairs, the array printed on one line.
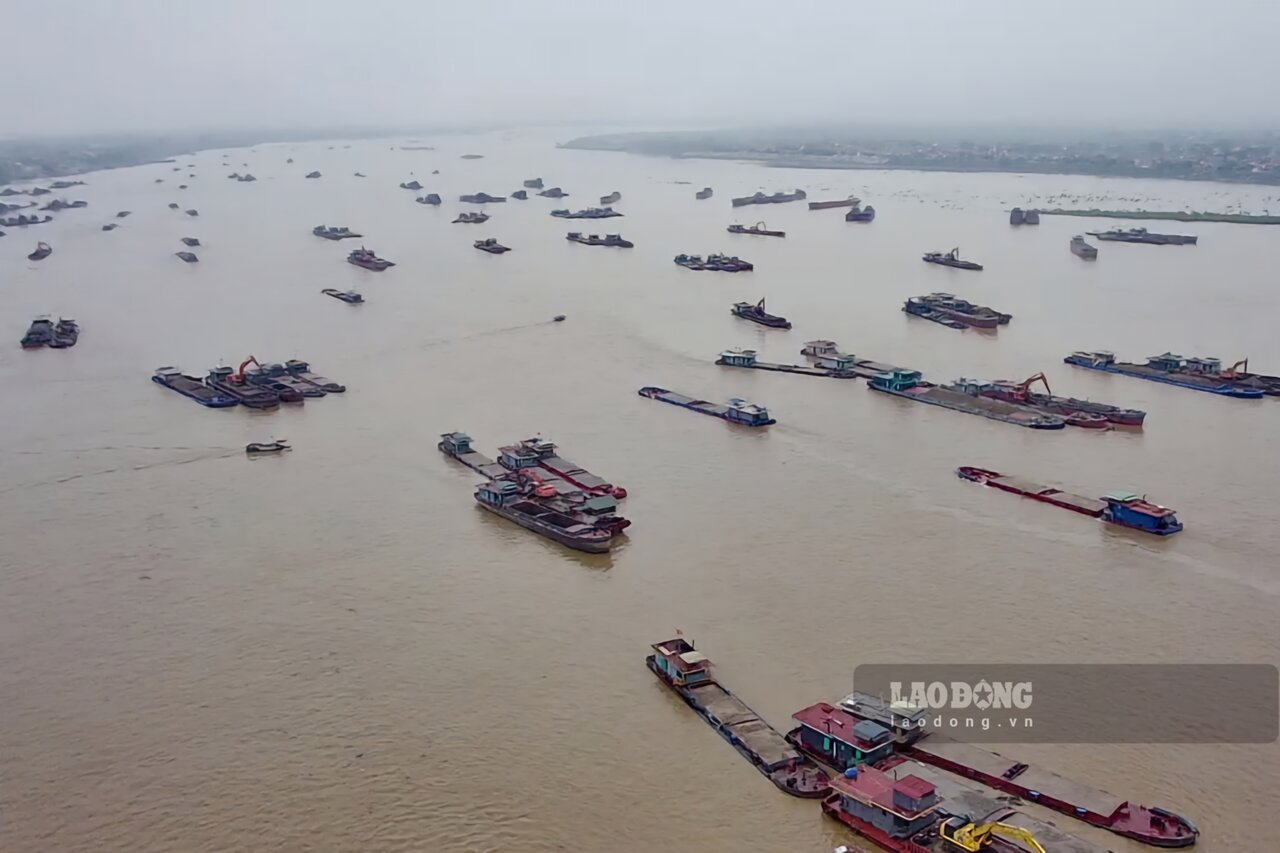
[[363, 257], [610, 198], [192, 212], [472, 218], [1017, 216], [182, 186], [491, 246], [334, 232], [110, 226], [267, 447], [1081, 249], [246, 178], [412, 185], [302, 371], [350, 297], [359, 174], [614, 240], [43, 250], [190, 241], [39, 333], [520, 195], [851, 201], [715, 262], [189, 257], [65, 334], [121, 214], [429, 198], [704, 193], [173, 205], [737, 410], [860, 214], [559, 318], [553, 192], [950, 259], [757, 314], [313, 174], [533, 184], [758, 229]]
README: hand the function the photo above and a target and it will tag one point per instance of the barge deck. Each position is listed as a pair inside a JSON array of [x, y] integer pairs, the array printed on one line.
[[736, 411], [833, 364], [687, 672], [549, 459], [908, 385], [457, 445]]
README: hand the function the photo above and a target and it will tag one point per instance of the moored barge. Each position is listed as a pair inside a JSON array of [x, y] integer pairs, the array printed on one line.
[[507, 499], [614, 240], [860, 214], [1082, 249], [191, 387], [714, 262], [1126, 509], [687, 672], [776, 198], [1198, 374], [828, 362], [1021, 393], [302, 371], [1142, 235], [757, 314], [588, 213], [908, 385], [547, 456], [704, 193], [950, 259], [737, 410], [851, 201], [758, 229], [365, 258]]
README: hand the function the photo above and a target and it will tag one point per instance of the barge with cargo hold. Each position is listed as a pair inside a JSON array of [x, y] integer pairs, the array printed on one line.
[[736, 411], [757, 314], [1021, 393], [509, 499], [950, 310], [758, 229], [950, 259], [547, 456], [1142, 235], [1150, 825], [776, 198], [851, 201], [1198, 374], [687, 672], [191, 387], [1126, 509], [960, 397], [827, 361]]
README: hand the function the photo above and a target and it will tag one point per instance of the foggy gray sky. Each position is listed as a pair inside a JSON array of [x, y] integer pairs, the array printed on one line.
[[119, 65]]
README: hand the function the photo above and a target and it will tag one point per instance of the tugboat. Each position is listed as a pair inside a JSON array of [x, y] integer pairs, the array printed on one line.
[[190, 241], [758, 229], [350, 297], [65, 334], [491, 246], [43, 250], [1142, 235], [472, 218], [362, 257], [776, 198], [609, 199], [482, 198], [520, 195], [595, 240], [1123, 508], [704, 193], [412, 185], [533, 184], [860, 214], [515, 502], [192, 212], [191, 387], [39, 333], [266, 447], [737, 411], [950, 259], [1081, 249], [688, 673], [335, 232], [553, 192], [313, 174], [189, 257], [429, 198], [757, 314]]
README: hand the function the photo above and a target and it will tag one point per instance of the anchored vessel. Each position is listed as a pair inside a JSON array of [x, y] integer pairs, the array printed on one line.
[[757, 314], [65, 334], [351, 297], [611, 198], [508, 499], [546, 455], [39, 333], [533, 184], [189, 386], [520, 195], [365, 258], [704, 193], [301, 371], [688, 672], [962, 396], [716, 262], [851, 201], [950, 259], [589, 213], [759, 228], [596, 240], [336, 232], [471, 218], [189, 257], [737, 411], [482, 198], [1142, 235], [411, 185], [553, 192], [1068, 407], [944, 307], [429, 198], [1124, 508], [1198, 374], [860, 214], [1081, 249], [43, 250], [776, 198], [491, 246]]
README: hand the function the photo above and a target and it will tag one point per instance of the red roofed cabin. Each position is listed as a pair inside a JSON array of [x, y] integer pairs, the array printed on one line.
[[678, 662], [900, 808], [840, 739]]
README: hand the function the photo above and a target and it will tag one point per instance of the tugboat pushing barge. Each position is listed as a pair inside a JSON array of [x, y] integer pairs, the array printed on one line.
[[737, 411], [514, 502], [1198, 374], [1021, 393], [687, 672]]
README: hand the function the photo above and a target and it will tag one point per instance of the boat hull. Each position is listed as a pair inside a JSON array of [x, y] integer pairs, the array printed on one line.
[[591, 546], [878, 837]]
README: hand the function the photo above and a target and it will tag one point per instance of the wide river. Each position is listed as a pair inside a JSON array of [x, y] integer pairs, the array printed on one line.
[[336, 649]]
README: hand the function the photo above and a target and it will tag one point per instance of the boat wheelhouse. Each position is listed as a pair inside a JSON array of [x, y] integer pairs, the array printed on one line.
[[898, 808], [738, 357], [817, 348], [680, 663], [838, 738], [1132, 510]]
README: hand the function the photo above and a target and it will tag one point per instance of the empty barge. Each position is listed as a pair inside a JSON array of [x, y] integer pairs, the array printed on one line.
[[737, 410], [688, 673], [1198, 374], [960, 397]]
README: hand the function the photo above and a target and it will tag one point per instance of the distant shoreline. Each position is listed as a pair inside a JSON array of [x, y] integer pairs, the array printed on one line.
[[1168, 215]]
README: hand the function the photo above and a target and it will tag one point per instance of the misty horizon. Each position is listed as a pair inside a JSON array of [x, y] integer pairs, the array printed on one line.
[[145, 66]]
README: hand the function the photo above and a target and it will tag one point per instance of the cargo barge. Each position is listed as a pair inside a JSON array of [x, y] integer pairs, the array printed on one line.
[[704, 193], [507, 499], [588, 213], [614, 240], [1021, 393], [432, 199], [223, 379], [758, 229], [191, 387], [547, 456], [610, 198], [950, 310], [687, 672], [520, 195], [468, 218], [362, 257], [828, 361], [302, 371], [736, 411], [950, 259], [776, 198], [1126, 509], [1198, 374], [482, 198], [491, 246], [65, 334], [757, 314], [958, 397], [278, 378], [714, 262], [1083, 250], [851, 201], [860, 214], [1142, 235], [1150, 825]]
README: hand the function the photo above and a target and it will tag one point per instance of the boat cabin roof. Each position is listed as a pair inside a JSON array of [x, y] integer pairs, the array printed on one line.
[[1168, 356], [682, 655], [455, 436], [1137, 503], [875, 787], [867, 705], [821, 344], [501, 487], [843, 726]]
